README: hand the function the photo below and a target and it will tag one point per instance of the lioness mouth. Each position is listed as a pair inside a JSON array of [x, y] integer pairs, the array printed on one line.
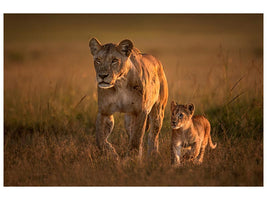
[[104, 85]]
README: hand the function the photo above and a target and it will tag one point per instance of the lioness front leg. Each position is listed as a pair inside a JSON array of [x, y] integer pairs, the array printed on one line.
[[137, 134], [104, 126]]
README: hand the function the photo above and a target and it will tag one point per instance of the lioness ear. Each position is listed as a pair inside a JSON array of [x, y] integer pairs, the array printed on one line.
[[125, 47], [191, 108], [94, 45], [173, 105]]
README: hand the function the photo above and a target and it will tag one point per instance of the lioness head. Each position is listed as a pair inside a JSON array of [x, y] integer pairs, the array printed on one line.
[[181, 114], [110, 61]]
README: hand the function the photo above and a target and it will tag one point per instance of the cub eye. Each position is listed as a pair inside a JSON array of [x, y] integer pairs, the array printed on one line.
[[181, 115], [97, 61], [115, 60]]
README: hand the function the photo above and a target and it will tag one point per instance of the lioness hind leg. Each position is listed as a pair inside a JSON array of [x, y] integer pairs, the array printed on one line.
[[104, 126], [137, 134], [155, 119]]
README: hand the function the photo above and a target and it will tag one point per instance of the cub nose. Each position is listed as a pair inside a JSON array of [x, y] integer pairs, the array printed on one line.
[[173, 123], [103, 75]]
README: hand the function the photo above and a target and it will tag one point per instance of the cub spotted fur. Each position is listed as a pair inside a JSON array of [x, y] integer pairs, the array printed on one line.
[[133, 83], [188, 131]]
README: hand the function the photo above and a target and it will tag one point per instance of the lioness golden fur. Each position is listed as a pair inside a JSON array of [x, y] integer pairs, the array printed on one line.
[[132, 83], [188, 131]]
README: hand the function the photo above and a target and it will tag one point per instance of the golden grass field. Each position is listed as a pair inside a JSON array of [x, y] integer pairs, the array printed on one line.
[[50, 99]]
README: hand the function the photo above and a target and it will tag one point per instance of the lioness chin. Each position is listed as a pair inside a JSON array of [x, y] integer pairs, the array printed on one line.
[[188, 131], [133, 83]]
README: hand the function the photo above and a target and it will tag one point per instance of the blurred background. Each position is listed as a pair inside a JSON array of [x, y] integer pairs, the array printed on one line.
[[211, 60], [199, 52]]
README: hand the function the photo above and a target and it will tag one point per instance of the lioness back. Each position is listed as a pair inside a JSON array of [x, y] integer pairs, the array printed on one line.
[[152, 76]]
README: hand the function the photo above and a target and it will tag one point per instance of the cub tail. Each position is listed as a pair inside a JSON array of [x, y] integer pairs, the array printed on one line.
[[213, 146]]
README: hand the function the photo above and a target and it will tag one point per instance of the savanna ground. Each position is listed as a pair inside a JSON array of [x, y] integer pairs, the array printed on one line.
[[50, 99]]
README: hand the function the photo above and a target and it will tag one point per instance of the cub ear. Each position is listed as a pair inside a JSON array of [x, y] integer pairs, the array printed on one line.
[[191, 108], [94, 45], [125, 47], [173, 105]]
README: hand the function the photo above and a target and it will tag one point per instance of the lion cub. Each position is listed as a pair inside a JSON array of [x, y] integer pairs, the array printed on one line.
[[188, 131]]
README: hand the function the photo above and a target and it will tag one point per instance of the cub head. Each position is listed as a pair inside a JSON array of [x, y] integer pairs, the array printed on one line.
[[110, 61], [181, 114]]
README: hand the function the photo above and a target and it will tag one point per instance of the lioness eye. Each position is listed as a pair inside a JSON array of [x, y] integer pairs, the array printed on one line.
[[181, 115], [115, 60]]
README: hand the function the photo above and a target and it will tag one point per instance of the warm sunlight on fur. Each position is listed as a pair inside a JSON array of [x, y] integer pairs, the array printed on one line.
[[188, 131], [54, 90], [133, 83]]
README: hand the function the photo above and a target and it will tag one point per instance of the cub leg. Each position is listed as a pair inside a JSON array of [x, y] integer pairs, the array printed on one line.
[[104, 126], [176, 154], [137, 134], [202, 150], [155, 119], [195, 150]]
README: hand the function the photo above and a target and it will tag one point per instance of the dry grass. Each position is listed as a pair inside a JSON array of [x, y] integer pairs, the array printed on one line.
[[49, 132]]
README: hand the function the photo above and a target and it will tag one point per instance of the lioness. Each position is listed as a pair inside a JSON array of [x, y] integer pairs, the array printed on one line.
[[132, 83], [188, 131]]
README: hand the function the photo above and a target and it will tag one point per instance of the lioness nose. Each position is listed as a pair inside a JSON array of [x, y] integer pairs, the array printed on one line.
[[103, 75]]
